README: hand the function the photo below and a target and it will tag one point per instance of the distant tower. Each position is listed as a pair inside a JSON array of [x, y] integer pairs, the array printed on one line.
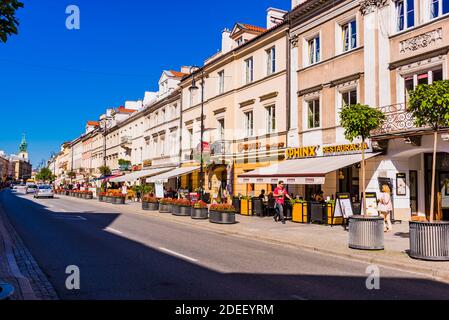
[[23, 149]]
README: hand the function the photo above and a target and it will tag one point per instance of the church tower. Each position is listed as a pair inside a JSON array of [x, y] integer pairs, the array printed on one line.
[[23, 149]]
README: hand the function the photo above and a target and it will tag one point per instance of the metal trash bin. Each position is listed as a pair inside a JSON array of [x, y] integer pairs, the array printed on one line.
[[366, 233], [317, 212], [429, 241]]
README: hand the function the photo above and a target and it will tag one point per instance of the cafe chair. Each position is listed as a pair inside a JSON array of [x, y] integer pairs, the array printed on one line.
[[270, 209], [258, 207]]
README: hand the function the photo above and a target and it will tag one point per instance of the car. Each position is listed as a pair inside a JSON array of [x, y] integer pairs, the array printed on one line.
[[32, 188], [44, 191]]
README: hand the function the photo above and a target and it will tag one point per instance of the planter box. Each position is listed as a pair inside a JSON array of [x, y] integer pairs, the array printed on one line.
[[165, 208], [199, 214], [150, 206], [246, 207], [175, 210], [183, 211], [109, 199], [366, 233], [429, 241], [119, 200], [300, 213], [222, 217]]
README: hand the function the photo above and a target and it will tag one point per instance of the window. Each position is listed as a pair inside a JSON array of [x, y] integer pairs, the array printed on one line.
[[313, 114], [192, 97], [221, 129], [314, 50], [349, 35], [221, 82], [349, 98], [271, 119], [240, 41], [249, 123], [427, 77], [271, 61], [405, 14], [249, 70], [157, 118], [438, 8], [190, 134]]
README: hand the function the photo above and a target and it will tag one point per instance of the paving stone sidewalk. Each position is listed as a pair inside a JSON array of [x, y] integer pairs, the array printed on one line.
[[321, 239], [19, 268]]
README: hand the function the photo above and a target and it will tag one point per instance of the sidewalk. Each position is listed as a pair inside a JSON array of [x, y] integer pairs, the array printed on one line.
[[320, 239], [18, 267]]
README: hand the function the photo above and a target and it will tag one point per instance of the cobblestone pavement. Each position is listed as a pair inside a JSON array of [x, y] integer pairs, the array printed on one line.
[[19, 268]]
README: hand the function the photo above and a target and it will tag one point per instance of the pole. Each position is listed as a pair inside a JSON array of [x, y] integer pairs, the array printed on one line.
[[363, 178], [202, 135], [434, 165]]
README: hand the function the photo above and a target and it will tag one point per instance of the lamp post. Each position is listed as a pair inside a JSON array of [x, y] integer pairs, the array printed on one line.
[[192, 89]]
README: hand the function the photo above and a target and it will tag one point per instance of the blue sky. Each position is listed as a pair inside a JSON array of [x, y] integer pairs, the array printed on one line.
[[53, 79]]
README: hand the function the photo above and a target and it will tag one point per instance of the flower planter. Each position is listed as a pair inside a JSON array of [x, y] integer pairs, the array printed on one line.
[[183, 211], [109, 199], [222, 217], [101, 198], [429, 241], [119, 200], [199, 214], [175, 210], [366, 233], [165, 208], [150, 206], [89, 196]]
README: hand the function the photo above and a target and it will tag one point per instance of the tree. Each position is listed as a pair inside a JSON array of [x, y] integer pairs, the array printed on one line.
[[429, 105], [359, 121], [71, 175], [45, 174], [8, 21], [105, 171]]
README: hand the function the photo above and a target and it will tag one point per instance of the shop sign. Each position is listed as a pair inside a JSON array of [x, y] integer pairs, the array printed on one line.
[[304, 152], [147, 163], [345, 149], [326, 151]]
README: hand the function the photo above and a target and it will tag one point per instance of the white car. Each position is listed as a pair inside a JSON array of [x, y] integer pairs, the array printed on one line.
[[44, 191], [32, 188]]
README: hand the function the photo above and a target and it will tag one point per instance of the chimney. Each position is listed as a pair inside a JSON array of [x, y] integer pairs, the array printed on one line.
[[296, 3], [185, 69], [274, 17], [226, 41]]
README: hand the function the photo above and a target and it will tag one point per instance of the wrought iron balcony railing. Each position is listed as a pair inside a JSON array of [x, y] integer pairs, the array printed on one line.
[[398, 120], [221, 148]]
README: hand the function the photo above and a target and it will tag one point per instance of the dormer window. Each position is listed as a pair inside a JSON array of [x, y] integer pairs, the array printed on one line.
[[239, 41]]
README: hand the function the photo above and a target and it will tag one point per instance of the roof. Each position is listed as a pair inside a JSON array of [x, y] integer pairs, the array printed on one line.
[[122, 109], [178, 74], [252, 28], [93, 123]]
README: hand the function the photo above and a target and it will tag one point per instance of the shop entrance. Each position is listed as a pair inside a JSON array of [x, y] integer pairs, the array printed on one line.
[[348, 182], [441, 185]]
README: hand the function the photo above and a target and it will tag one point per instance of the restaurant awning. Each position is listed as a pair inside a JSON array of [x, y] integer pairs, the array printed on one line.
[[307, 171], [134, 176], [178, 172]]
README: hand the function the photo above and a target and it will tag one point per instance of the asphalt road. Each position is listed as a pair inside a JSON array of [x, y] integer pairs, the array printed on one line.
[[128, 256]]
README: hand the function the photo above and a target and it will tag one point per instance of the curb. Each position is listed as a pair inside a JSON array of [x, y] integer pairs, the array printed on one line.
[[433, 273]]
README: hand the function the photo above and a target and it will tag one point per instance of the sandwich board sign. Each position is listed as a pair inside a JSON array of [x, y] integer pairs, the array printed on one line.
[[343, 207], [371, 204], [159, 186]]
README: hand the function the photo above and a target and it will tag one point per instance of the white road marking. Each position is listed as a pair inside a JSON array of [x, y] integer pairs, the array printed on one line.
[[178, 254], [82, 218], [113, 230], [296, 297]]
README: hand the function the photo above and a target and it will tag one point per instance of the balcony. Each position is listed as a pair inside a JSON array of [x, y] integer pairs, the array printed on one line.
[[126, 142], [221, 148], [397, 120]]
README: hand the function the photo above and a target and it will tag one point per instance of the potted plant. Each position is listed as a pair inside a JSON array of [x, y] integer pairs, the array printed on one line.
[[102, 196], [165, 205], [150, 203], [118, 198], [429, 105], [365, 232], [182, 207], [222, 214], [200, 210]]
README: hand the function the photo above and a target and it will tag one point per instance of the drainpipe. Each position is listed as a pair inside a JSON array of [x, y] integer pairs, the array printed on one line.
[[180, 128], [289, 80]]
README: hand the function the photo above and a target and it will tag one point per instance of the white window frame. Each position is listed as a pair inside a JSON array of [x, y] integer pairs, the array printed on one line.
[[307, 56], [307, 103], [440, 9], [340, 37], [221, 129], [406, 10], [270, 120], [249, 132], [249, 70], [271, 60], [221, 82]]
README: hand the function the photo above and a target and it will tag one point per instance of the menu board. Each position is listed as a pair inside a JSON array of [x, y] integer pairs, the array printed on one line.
[[371, 205], [343, 207], [159, 189]]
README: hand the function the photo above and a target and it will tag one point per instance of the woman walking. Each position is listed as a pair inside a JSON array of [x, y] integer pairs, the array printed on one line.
[[386, 207]]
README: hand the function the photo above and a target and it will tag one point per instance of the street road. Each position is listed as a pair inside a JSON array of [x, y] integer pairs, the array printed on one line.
[[129, 256]]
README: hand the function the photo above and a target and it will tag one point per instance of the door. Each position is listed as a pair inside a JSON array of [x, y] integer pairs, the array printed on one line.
[[414, 192]]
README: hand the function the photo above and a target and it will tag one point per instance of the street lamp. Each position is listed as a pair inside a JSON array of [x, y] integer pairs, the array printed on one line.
[[192, 89]]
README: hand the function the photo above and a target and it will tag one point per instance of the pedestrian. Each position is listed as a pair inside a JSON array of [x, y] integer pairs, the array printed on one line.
[[386, 207], [124, 190], [280, 194]]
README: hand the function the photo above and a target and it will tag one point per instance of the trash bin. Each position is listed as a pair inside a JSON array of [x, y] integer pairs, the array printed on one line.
[[366, 233], [318, 213], [429, 241]]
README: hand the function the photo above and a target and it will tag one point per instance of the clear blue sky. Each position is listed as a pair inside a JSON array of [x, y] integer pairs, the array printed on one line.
[[52, 80]]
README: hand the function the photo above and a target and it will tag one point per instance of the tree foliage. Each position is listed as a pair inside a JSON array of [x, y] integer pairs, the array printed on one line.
[[359, 120], [8, 20], [45, 175], [71, 175], [105, 171], [429, 105]]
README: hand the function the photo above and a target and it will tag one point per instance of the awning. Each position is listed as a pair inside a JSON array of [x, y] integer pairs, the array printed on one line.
[[302, 171], [134, 176], [172, 174]]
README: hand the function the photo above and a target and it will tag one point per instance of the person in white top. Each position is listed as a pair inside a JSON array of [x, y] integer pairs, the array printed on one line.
[[124, 190], [386, 207]]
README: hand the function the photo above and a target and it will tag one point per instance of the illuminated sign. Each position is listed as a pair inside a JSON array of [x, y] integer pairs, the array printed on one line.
[[304, 152], [346, 148]]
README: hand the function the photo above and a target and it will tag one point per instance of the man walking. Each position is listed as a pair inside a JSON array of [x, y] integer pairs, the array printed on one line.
[[279, 194]]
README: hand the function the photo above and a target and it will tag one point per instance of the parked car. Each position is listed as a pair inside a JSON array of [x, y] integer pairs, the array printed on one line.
[[44, 191], [32, 188]]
